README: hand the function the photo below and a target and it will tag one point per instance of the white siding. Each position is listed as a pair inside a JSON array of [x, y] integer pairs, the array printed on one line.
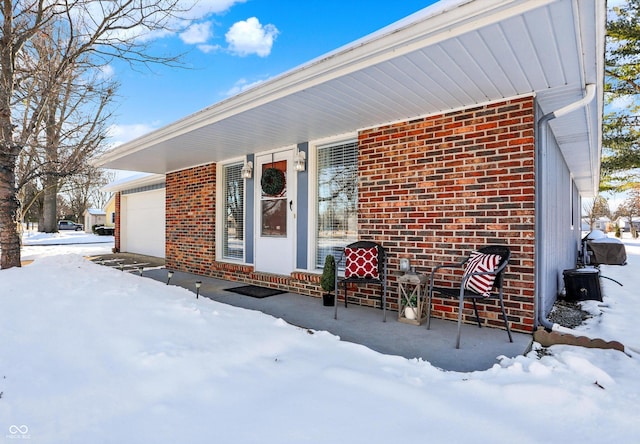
[[559, 236]]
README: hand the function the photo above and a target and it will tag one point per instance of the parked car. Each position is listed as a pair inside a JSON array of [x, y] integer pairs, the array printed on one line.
[[104, 231], [69, 225]]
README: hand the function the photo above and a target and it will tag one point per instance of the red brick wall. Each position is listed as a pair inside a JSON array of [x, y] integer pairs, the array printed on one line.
[[435, 188], [190, 219], [431, 189], [190, 234]]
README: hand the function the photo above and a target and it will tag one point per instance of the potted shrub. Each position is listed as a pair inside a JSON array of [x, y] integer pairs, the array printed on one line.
[[327, 280], [411, 310]]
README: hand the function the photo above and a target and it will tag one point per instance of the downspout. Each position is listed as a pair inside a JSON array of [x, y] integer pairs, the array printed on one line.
[[541, 173]]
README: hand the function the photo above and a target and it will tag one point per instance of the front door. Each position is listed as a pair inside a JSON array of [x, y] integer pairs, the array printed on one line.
[[275, 193]]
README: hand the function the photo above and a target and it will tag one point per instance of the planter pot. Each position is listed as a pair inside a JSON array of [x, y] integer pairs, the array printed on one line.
[[410, 313], [327, 300]]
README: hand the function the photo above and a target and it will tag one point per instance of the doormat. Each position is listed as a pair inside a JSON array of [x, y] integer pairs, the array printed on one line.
[[255, 292]]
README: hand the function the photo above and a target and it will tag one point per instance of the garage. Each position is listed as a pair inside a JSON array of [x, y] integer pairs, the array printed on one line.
[[143, 223], [140, 219]]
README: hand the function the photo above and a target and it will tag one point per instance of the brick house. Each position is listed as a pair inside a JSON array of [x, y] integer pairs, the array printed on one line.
[[468, 123]]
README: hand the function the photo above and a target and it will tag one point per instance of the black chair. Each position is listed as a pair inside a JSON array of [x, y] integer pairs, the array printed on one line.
[[468, 286], [365, 262]]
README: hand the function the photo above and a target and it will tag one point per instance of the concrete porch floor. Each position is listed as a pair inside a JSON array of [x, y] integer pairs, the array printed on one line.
[[479, 347]]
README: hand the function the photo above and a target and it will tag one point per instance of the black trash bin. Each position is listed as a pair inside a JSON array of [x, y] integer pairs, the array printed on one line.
[[582, 284]]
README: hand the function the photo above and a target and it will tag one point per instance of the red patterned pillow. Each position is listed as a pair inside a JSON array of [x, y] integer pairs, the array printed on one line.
[[361, 263], [478, 263]]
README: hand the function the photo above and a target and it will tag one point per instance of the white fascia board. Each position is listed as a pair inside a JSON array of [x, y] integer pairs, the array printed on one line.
[[135, 181]]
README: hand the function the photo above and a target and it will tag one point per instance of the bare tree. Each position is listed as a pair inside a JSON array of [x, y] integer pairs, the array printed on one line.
[[337, 187], [629, 209], [73, 126], [596, 209], [81, 191], [83, 34], [30, 197], [98, 179]]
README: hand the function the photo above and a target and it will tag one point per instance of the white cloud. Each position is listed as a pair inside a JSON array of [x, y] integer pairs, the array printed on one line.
[[106, 72], [202, 8], [197, 33], [178, 21], [251, 37], [208, 48], [241, 85], [621, 103], [615, 3], [120, 134]]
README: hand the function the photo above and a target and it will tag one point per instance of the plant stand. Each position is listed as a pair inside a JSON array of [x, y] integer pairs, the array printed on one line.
[[412, 286]]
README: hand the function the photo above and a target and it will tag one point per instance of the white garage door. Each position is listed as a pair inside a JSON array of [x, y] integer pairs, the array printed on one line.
[[143, 222]]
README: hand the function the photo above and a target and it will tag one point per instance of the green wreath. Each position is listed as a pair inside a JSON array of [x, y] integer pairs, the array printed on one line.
[[272, 181]]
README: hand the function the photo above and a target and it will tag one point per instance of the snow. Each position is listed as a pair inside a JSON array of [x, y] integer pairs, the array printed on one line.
[[89, 354], [46, 244]]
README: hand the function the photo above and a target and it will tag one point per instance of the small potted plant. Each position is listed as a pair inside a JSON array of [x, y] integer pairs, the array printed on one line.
[[411, 310], [327, 280]]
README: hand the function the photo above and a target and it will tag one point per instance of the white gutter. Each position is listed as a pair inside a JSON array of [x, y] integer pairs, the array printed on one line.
[[541, 169]]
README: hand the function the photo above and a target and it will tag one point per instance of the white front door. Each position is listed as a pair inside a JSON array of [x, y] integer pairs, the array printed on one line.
[[275, 216]]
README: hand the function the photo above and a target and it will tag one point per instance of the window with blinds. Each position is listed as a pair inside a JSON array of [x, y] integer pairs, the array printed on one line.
[[233, 233], [337, 202]]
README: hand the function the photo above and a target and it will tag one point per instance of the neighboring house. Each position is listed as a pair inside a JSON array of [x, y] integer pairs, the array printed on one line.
[[602, 223], [623, 223], [468, 123], [139, 214], [110, 212], [92, 217]]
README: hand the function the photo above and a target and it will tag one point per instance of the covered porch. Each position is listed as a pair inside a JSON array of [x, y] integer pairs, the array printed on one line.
[[467, 124], [479, 348]]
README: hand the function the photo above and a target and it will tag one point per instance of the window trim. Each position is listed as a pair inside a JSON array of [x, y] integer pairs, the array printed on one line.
[[312, 166], [220, 207]]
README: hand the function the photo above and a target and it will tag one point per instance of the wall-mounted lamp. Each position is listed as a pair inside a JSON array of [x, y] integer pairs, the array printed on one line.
[[198, 285], [300, 161], [169, 276], [247, 170], [405, 264]]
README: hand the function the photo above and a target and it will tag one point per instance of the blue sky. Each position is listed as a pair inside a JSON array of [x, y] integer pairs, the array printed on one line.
[[233, 44]]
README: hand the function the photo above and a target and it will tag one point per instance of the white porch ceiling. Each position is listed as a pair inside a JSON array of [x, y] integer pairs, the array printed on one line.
[[452, 55]]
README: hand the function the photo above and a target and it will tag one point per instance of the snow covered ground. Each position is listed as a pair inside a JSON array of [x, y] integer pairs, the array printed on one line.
[[89, 354], [47, 244]]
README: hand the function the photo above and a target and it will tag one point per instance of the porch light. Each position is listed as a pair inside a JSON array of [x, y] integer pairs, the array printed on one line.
[[169, 276], [405, 264], [299, 161], [198, 285], [247, 170]]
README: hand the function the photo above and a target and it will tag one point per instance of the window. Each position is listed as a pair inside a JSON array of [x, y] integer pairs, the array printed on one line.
[[274, 206], [337, 202], [233, 212]]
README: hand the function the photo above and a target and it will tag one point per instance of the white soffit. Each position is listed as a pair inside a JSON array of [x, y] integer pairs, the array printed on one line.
[[134, 181], [452, 55]]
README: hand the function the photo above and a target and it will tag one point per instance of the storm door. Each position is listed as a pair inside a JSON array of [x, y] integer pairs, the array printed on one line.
[[275, 212]]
